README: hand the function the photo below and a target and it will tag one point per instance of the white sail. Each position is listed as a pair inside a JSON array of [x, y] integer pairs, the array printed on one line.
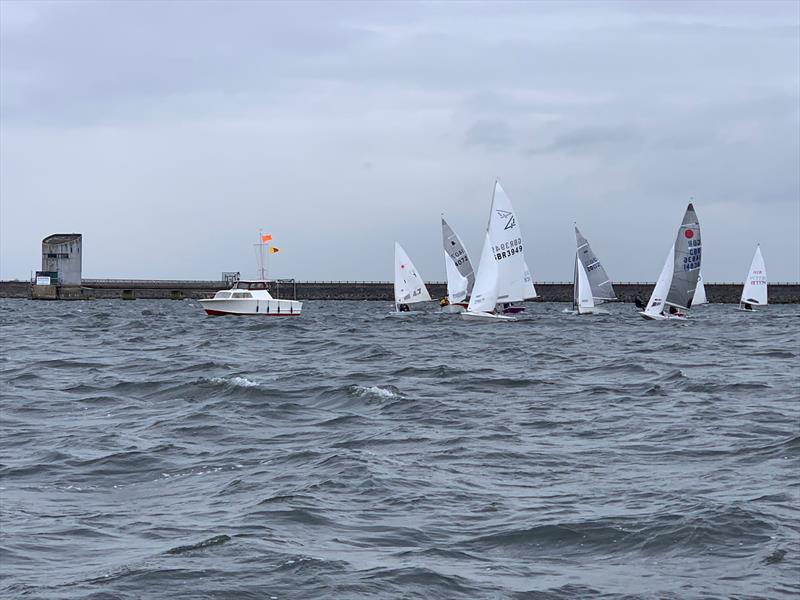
[[530, 291], [408, 285], [755, 286], [659, 295], [484, 294], [699, 292], [515, 283], [457, 284], [584, 302]]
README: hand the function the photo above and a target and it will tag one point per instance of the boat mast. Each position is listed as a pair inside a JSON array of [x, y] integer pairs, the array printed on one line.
[[263, 266]]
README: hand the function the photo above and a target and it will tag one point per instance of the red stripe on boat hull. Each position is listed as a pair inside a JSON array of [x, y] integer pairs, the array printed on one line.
[[222, 313]]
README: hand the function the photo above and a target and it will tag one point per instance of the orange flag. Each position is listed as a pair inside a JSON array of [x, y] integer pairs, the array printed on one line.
[[274, 250], [266, 238]]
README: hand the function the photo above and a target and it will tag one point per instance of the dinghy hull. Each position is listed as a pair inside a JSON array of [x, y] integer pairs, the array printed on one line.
[[484, 316], [661, 317]]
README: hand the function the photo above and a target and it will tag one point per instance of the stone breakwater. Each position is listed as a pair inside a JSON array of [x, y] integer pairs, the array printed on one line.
[[779, 293]]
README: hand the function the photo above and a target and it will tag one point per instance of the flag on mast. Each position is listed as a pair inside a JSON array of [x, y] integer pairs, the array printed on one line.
[[266, 238], [274, 250]]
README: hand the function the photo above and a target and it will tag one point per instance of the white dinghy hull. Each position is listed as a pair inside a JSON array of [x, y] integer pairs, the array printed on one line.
[[661, 317], [485, 316]]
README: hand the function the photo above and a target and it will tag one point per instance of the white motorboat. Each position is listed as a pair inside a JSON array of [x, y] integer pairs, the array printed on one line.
[[251, 297]]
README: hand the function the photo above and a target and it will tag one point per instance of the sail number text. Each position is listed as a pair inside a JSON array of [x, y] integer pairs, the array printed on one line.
[[508, 249], [692, 262]]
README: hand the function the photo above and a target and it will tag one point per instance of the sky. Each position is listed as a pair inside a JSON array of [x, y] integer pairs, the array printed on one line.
[[170, 133]]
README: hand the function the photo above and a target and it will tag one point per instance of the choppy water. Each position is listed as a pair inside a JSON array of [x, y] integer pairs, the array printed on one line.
[[151, 452]]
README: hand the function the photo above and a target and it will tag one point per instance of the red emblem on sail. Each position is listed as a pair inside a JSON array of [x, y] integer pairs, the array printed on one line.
[[689, 233]]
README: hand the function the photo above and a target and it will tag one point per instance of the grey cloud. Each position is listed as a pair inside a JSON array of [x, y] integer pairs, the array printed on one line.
[[492, 134], [593, 139]]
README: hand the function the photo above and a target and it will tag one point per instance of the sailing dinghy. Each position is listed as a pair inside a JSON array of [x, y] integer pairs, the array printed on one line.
[[591, 284], [503, 275], [409, 289], [460, 277], [754, 292], [678, 280]]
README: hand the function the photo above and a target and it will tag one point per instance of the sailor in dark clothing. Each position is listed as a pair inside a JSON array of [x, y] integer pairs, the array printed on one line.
[[639, 302], [673, 310], [403, 308]]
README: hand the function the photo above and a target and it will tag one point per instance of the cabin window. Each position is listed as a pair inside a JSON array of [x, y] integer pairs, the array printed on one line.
[[223, 295], [242, 285], [260, 285], [242, 295]]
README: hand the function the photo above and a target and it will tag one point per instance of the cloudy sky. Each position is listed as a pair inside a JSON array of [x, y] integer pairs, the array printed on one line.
[[169, 133]]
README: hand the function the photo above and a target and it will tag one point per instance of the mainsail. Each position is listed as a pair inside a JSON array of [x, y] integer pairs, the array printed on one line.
[[408, 285], [755, 286], [460, 277], [686, 270], [515, 282], [602, 290]]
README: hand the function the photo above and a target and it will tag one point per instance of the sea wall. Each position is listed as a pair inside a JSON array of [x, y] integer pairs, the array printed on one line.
[[779, 293]]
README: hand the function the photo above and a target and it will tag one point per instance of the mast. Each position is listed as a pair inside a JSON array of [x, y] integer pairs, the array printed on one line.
[[262, 257]]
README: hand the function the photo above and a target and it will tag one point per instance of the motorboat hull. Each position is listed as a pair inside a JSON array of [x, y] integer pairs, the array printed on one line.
[[252, 307]]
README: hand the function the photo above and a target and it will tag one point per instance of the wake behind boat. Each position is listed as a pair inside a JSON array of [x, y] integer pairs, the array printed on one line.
[[676, 285]]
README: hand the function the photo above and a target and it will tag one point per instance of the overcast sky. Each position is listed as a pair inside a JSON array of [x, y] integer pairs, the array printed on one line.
[[169, 133]]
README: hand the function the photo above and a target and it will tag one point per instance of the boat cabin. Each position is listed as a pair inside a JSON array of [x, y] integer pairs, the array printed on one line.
[[256, 288]]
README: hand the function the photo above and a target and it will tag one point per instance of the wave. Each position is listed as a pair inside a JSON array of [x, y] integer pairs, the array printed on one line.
[[201, 545], [235, 381], [374, 391]]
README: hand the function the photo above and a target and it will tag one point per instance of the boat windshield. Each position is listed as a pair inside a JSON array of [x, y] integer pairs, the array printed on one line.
[[242, 285]]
